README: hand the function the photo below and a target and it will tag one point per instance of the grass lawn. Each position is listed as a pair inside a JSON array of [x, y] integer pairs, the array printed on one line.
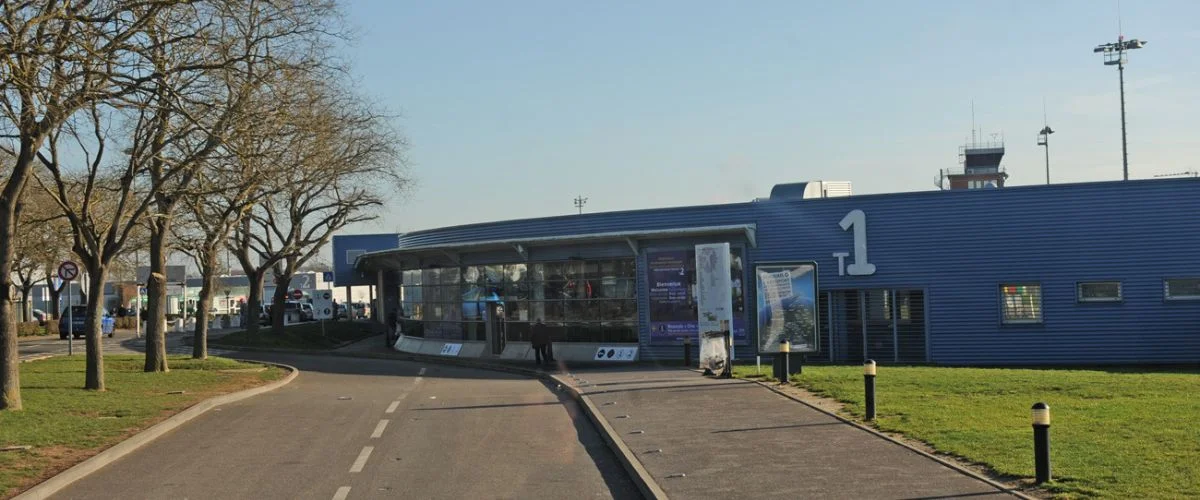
[[66, 424], [309, 335], [1115, 433]]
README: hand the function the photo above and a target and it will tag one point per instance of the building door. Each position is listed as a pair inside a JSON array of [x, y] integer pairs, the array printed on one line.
[[495, 327], [886, 325]]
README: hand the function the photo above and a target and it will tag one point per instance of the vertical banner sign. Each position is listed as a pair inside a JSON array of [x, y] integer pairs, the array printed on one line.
[[787, 306], [671, 274], [714, 304]]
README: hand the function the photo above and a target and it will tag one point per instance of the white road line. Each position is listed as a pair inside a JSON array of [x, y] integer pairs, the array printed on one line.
[[361, 461], [422, 372], [342, 493], [379, 429], [392, 407]]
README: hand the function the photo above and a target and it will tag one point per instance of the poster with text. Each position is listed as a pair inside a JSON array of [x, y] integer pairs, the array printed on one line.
[[787, 306], [672, 290], [714, 304]]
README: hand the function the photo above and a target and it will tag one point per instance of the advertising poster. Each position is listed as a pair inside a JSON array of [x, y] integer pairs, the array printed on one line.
[[714, 304], [671, 275], [787, 306]]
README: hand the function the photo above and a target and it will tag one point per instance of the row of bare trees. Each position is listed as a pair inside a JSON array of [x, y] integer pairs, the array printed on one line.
[[194, 126]]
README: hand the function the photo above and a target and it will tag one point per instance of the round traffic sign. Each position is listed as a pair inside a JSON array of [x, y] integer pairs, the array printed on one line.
[[325, 295], [297, 294], [68, 271]]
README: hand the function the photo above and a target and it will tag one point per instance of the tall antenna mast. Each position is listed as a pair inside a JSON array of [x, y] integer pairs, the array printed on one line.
[[1120, 30], [972, 121]]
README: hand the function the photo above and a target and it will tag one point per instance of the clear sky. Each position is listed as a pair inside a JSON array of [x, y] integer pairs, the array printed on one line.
[[515, 108]]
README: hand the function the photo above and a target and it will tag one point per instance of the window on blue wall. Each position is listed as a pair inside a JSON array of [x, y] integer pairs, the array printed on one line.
[[1099, 291], [1021, 303], [1182, 288]]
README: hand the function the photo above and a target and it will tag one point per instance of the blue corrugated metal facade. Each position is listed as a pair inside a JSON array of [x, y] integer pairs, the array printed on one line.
[[952, 250], [347, 247]]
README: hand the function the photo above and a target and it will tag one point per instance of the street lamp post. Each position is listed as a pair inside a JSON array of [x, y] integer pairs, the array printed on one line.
[[1114, 55], [1044, 141]]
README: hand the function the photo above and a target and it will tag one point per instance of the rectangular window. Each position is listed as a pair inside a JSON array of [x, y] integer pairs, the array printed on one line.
[[1021, 303], [1181, 288], [1099, 291]]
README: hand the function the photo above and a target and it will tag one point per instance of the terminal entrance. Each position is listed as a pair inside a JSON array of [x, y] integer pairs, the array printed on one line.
[[495, 327], [887, 325]]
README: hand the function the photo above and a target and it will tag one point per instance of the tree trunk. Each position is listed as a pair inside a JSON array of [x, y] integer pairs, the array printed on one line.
[[278, 298], [55, 298], [93, 331], [207, 287], [10, 199], [156, 313], [253, 301], [26, 305], [10, 375]]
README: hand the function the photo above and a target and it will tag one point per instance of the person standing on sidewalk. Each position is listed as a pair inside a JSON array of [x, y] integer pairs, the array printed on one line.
[[539, 338]]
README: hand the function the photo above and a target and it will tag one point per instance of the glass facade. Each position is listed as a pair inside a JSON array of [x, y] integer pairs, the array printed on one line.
[[579, 300]]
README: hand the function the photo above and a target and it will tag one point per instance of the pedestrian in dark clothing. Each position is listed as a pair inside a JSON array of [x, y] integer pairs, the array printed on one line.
[[540, 340]]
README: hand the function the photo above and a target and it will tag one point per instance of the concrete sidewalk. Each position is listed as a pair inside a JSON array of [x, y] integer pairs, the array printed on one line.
[[700, 437]]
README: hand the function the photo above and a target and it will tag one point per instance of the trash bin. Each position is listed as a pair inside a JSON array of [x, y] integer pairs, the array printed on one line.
[[108, 325]]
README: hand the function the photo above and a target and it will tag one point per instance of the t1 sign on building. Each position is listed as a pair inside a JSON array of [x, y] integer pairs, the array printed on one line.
[[787, 306]]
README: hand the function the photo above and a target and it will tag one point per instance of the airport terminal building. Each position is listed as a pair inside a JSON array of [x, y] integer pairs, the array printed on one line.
[[1090, 273]]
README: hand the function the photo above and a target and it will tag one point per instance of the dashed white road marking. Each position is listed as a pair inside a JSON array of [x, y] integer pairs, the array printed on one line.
[[361, 461], [342, 493], [379, 429], [392, 407]]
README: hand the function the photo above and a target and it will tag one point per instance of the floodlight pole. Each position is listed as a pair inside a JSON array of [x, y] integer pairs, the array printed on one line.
[[1119, 48], [1124, 146], [1044, 141]]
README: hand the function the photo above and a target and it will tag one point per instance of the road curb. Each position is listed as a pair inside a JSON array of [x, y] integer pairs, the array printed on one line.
[[948, 464], [641, 477], [63, 479], [629, 461]]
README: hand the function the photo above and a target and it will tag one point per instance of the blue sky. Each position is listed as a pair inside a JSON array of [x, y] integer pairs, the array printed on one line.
[[515, 108]]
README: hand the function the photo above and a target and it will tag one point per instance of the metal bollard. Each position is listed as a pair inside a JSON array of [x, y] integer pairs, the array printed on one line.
[[1041, 442], [687, 351], [785, 351], [869, 385]]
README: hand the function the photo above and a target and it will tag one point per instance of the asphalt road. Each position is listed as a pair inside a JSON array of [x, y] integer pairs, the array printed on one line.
[[363, 428]]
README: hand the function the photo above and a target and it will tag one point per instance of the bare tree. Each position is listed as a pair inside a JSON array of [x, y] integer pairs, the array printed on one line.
[[346, 160], [196, 113], [38, 245], [103, 203], [57, 57]]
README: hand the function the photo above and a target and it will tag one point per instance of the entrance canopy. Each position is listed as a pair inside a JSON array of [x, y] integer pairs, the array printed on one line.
[[451, 254]]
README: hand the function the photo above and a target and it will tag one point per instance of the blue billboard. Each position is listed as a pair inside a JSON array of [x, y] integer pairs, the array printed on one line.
[[787, 306]]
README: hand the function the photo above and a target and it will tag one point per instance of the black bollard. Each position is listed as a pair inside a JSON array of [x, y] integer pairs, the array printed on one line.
[[785, 354], [1041, 442], [687, 351], [869, 383]]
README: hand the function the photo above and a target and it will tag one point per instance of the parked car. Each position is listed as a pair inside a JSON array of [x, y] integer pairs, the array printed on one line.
[[40, 316], [306, 312], [264, 315], [77, 323]]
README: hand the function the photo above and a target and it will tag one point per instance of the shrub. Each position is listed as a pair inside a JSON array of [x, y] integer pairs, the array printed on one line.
[[126, 323], [32, 329]]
